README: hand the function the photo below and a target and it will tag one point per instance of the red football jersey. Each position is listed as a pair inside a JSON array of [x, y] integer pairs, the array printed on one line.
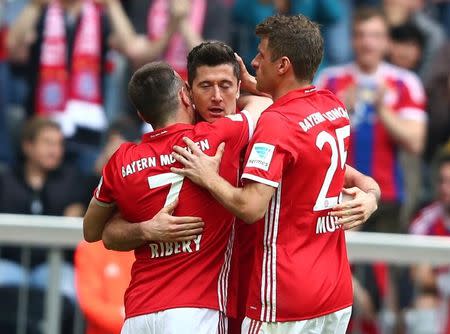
[[138, 179], [301, 270]]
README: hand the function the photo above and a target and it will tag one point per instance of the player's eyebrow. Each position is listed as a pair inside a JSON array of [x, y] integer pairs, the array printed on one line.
[[211, 81]]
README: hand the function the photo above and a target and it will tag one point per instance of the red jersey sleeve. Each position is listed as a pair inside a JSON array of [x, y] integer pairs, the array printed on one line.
[[104, 193], [236, 130], [268, 150], [412, 98]]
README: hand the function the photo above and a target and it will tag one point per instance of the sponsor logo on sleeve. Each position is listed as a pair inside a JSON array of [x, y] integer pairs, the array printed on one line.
[[261, 156]]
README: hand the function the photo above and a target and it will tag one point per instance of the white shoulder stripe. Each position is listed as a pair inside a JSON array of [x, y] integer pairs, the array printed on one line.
[[259, 179], [251, 124]]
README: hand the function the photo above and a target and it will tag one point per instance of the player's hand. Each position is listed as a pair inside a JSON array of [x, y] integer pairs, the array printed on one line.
[[165, 227], [355, 211], [248, 81], [198, 166]]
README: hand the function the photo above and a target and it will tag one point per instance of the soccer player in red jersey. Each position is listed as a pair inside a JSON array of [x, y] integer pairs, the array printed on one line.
[[176, 286], [294, 174]]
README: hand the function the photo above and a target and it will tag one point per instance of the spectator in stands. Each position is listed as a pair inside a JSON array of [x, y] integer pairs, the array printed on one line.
[[386, 104], [406, 47], [406, 51], [169, 29], [399, 12], [64, 44], [40, 185], [102, 276], [433, 284]]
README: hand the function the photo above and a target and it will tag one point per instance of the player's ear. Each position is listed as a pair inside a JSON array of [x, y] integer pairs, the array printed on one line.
[[284, 65], [184, 96]]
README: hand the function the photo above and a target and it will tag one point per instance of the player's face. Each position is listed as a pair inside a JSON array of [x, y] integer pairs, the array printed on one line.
[[47, 150], [444, 184], [214, 91], [264, 67], [370, 42]]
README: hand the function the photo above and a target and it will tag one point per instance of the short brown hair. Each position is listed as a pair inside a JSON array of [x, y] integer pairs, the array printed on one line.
[[153, 90], [212, 53], [297, 38], [366, 13], [34, 126]]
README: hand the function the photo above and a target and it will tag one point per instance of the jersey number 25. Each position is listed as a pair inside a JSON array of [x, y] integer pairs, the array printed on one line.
[[338, 152]]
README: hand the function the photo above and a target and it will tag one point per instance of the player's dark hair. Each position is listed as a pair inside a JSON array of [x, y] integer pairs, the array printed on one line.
[[212, 53], [365, 13], [33, 127], [297, 38], [153, 90]]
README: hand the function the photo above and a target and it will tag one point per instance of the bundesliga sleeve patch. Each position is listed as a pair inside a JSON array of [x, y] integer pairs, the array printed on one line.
[[261, 156]]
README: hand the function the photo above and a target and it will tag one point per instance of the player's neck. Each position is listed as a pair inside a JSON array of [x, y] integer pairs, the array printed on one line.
[[179, 118], [288, 86]]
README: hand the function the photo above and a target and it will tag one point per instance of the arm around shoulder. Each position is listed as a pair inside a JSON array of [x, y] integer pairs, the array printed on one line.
[[121, 235]]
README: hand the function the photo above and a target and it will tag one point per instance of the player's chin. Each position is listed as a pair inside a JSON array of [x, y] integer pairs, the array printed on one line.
[[212, 116]]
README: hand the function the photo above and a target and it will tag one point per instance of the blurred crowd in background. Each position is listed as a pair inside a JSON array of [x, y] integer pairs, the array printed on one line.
[[64, 69]]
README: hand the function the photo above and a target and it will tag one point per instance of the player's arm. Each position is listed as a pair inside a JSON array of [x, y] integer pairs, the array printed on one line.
[[121, 235], [365, 194], [248, 203], [254, 104], [95, 219]]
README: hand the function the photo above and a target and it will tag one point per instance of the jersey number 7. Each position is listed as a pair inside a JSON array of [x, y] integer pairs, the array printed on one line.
[[337, 150], [160, 180]]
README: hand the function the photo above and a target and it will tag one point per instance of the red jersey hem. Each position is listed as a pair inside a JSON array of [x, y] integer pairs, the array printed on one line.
[[278, 319], [162, 308]]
